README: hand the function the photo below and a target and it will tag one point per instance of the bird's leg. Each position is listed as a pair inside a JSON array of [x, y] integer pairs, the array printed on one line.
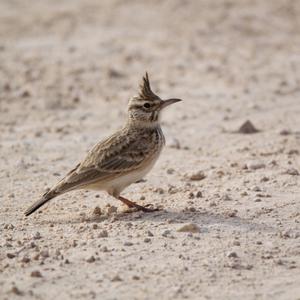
[[138, 207]]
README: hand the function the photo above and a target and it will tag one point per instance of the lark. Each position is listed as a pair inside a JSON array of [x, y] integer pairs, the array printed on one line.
[[123, 158]]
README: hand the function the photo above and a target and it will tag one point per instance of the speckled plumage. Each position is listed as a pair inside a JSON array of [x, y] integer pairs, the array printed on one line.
[[124, 157]]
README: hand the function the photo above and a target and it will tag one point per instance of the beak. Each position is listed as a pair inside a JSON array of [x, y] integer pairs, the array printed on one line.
[[166, 103]]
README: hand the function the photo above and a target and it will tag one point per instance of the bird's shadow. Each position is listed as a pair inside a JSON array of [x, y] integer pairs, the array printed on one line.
[[202, 218]]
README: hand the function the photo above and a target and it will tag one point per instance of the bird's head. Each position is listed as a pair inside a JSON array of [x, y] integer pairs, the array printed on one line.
[[145, 108]]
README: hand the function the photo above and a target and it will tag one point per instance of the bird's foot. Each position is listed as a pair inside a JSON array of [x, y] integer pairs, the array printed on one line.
[[151, 207], [136, 206]]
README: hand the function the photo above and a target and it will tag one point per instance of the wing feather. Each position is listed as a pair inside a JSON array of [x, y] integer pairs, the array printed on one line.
[[119, 153]]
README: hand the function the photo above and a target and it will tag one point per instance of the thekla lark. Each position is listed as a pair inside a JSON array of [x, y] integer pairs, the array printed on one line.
[[123, 158]]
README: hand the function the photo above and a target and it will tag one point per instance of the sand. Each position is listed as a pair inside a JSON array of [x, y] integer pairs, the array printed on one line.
[[228, 227]]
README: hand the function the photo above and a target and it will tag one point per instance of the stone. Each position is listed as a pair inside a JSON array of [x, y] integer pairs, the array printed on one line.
[[232, 254], [44, 253], [116, 278], [285, 132], [166, 233], [97, 211], [16, 291], [174, 143], [91, 259], [247, 128], [194, 228], [292, 171], [197, 176], [111, 210], [37, 236], [128, 244], [103, 234], [170, 171], [255, 165], [11, 255], [199, 194], [36, 274]]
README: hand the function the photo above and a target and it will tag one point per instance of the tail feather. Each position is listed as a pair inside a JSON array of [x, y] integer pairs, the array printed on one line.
[[45, 198]]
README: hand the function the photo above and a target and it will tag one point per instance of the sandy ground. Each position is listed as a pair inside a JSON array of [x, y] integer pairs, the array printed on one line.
[[67, 69]]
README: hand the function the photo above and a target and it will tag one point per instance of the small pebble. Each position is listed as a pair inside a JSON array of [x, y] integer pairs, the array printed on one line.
[[197, 176], [255, 165], [112, 210], [128, 244], [44, 253], [247, 128], [9, 226], [256, 188], [36, 257], [194, 228], [264, 179], [91, 259], [116, 278], [191, 195], [285, 132], [166, 233], [113, 73], [25, 94], [36, 274], [174, 143], [172, 190], [232, 255], [37, 236], [199, 194], [191, 209], [11, 255], [294, 151], [103, 234], [104, 249], [231, 213], [16, 291], [292, 171], [170, 171], [97, 211], [159, 190], [226, 197], [25, 259]]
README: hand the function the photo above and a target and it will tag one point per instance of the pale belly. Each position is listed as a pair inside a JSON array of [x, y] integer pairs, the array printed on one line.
[[116, 185]]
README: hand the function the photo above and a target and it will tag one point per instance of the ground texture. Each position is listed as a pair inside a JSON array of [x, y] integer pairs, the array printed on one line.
[[229, 224]]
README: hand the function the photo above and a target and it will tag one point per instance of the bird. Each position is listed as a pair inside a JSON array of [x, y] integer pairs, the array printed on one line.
[[124, 157]]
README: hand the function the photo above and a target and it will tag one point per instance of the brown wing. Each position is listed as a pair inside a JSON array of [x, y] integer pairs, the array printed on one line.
[[117, 154]]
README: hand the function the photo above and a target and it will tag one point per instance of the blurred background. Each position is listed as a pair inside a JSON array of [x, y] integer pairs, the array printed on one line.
[[68, 68], [70, 54], [78, 56]]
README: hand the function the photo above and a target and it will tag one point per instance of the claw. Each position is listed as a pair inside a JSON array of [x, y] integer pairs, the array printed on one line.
[[131, 204]]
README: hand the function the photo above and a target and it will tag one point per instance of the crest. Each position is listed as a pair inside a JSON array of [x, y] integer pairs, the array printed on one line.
[[145, 92]]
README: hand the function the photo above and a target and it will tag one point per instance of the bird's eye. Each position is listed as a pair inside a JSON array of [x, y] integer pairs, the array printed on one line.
[[147, 105]]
